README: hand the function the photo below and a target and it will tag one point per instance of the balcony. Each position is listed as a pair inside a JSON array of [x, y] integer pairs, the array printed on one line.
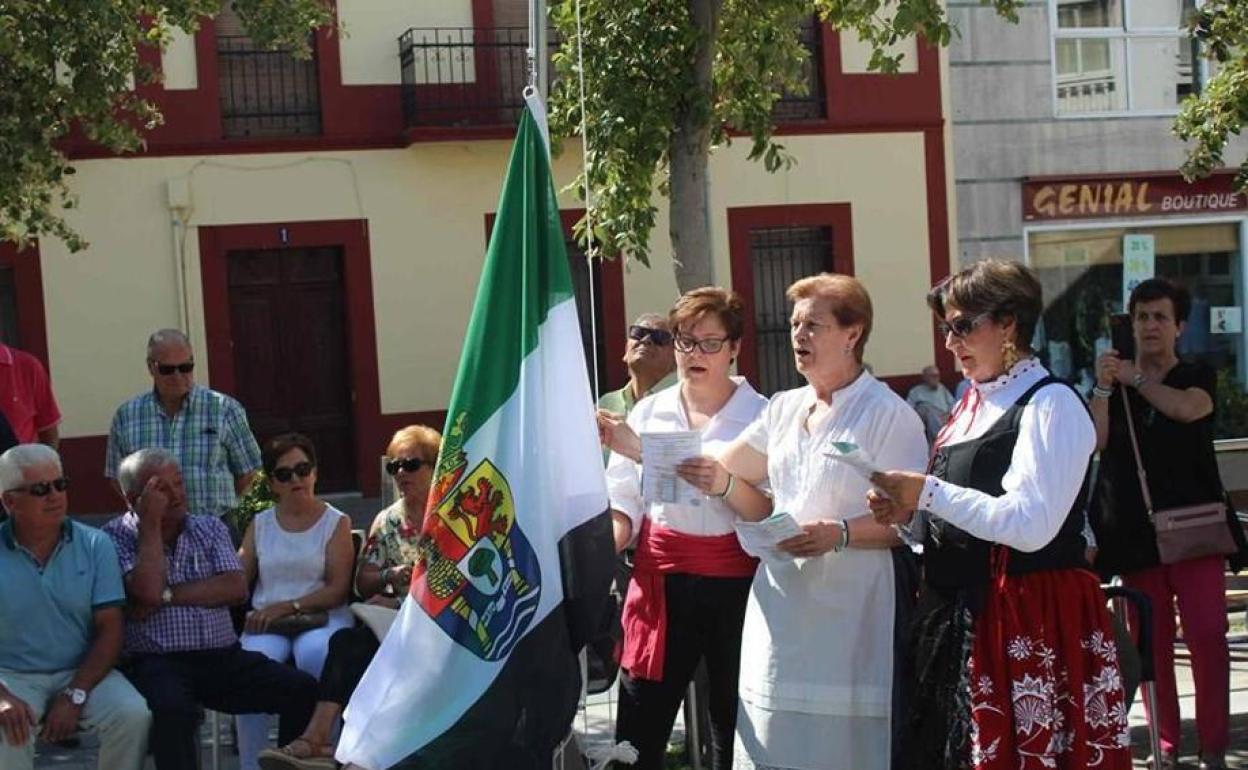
[[464, 77], [266, 93]]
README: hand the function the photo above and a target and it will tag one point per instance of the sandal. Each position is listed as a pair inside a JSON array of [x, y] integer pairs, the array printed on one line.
[[299, 754]]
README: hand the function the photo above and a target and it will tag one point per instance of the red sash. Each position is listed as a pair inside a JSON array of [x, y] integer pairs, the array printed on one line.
[[661, 550]]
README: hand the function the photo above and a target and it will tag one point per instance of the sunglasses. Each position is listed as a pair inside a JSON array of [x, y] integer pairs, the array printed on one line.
[[168, 369], [658, 337], [285, 474], [961, 326], [406, 464], [44, 488], [708, 345]]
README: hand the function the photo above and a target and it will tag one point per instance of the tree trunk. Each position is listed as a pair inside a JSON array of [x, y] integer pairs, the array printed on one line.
[[688, 151]]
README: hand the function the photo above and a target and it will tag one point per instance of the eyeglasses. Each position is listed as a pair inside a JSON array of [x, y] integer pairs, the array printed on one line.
[[708, 345], [44, 488], [168, 369], [660, 337], [961, 326], [405, 464], [285, 474]]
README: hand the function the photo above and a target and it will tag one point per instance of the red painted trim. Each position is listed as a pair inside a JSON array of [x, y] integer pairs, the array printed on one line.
[[862, 100], [744, 219], [32, 323], [937, 231], [82, 457], [352, 236]]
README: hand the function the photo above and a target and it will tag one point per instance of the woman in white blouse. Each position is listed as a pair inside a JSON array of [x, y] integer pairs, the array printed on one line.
[[1014, 651], [821, 631], [687, 594]]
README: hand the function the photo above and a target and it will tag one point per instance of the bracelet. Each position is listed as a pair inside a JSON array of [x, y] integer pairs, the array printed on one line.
[[1099, 392], [843, 542], [732, 482], [1138, 380]]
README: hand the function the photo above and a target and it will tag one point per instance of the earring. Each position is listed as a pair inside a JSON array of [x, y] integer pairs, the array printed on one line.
[[1009, 354]]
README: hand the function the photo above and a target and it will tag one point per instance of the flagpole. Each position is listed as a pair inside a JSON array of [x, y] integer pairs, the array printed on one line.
[[538, 60]]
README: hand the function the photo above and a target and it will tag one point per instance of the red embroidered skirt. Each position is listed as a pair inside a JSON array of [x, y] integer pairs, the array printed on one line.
[[1046, 692]]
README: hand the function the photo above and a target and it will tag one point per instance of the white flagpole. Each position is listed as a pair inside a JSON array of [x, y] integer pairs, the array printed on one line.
[[538, 60]]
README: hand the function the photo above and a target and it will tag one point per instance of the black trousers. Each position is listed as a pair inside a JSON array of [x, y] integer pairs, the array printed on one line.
[[704, 619], [350, 652], [229, 679]]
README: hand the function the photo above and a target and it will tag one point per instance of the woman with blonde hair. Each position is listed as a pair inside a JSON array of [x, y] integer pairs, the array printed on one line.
[[820, 635]]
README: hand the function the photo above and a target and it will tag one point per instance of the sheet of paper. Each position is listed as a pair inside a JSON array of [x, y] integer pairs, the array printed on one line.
[[759, 538], [854, 456], [660, 454]]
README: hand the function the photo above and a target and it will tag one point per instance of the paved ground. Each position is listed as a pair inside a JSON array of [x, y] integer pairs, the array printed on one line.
[[597, 719]]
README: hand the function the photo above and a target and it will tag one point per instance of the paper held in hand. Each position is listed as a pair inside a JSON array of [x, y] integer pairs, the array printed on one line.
[[759, 538], [660, 454], [855, 457]]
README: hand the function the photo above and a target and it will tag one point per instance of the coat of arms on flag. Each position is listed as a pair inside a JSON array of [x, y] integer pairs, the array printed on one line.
[[477, 577]]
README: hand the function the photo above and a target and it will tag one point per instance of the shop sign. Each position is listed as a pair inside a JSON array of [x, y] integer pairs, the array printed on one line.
[[1148, 195], [1226, 320]]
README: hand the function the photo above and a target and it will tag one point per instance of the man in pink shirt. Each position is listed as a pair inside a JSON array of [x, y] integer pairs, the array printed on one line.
[[26, 399]]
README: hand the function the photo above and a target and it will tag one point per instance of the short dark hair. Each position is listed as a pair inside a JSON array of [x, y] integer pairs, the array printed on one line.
[[1153, 289], [280, 445], [999, 288], [708, 301]]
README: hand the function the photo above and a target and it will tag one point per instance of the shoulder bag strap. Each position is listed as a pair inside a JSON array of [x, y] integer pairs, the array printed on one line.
[[1135, 448]]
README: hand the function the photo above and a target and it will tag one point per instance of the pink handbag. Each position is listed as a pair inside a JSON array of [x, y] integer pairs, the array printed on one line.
[[1187, 532]]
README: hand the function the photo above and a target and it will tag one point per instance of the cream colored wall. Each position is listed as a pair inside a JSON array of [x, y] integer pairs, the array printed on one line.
[[369, 49], [426, 208], [855, 54], [177, 62]]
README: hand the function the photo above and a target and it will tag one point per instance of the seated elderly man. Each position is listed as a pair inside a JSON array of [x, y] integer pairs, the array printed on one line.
[[181, 575], [60, 623]]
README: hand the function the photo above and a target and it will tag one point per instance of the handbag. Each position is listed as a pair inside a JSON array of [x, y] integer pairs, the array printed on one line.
[[1188, 531], [293, 625]]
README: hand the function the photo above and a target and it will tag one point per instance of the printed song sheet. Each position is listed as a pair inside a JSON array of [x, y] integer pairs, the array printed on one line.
[[759, 538], [660, 454]]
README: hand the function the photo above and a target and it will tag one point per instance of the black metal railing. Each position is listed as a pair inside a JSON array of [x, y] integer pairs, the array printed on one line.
[[264, 92], [812, 105], [464, 76], [778, 257]]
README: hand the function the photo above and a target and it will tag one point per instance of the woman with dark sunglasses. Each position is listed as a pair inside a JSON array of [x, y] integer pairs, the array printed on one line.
[[299, 554], [383, 577], [1014, 655]]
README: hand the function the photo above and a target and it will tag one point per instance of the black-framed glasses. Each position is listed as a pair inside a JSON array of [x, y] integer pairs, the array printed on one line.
[[708, 345], [285, 473], [44, 488], [660, 337], [405, 464], [183, 368], [961, 326]]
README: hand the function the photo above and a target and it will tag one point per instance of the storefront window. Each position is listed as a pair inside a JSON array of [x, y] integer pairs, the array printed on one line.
[[1082, 273]]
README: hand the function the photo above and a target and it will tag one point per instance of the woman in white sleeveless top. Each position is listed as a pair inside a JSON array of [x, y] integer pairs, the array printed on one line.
[[299, 554]]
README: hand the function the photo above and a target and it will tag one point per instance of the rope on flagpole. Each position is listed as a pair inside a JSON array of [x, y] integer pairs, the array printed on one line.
[[590, 249]]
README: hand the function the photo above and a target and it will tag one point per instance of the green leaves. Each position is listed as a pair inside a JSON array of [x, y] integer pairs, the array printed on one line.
[[73, 64], [1209, 119]]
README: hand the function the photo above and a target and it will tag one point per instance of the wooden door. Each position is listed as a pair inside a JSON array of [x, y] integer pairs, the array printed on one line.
[[291, 364]]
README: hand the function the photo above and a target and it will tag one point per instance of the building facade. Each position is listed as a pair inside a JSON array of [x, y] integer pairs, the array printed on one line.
[[319, 227]]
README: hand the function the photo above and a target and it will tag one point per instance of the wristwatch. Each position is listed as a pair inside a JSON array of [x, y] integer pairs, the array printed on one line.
[[166, 596], [1138, 380], [77, 696]]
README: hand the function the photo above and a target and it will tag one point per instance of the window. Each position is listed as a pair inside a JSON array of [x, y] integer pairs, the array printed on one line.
[[8, 308], [593, 335], [1121, 56], [263, 92], [812, 105]]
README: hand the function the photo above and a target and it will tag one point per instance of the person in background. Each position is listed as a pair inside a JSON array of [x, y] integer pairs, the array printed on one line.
[[27, 402], [383, 578], [60, 623], [299, 555], [205, 430], [824, 631], [182, 575], [650, 361], [932, 401], [686, 599], [1014, 656], [1171, 403]]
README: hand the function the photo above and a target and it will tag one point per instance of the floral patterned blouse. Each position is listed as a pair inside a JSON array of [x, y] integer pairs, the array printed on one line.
[[392, 539]]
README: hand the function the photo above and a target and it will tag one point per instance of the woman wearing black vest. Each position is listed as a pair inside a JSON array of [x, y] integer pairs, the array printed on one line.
[[1014, 654]]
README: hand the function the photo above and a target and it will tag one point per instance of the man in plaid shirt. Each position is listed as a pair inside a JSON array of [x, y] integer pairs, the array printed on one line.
[[181, 575], [205, 430]]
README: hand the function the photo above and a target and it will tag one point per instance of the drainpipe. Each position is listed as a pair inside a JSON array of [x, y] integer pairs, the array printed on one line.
[[179, 197]]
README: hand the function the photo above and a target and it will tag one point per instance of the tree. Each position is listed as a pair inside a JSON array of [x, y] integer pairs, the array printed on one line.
[[668, 80], [1221, 108], [72, 65]]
